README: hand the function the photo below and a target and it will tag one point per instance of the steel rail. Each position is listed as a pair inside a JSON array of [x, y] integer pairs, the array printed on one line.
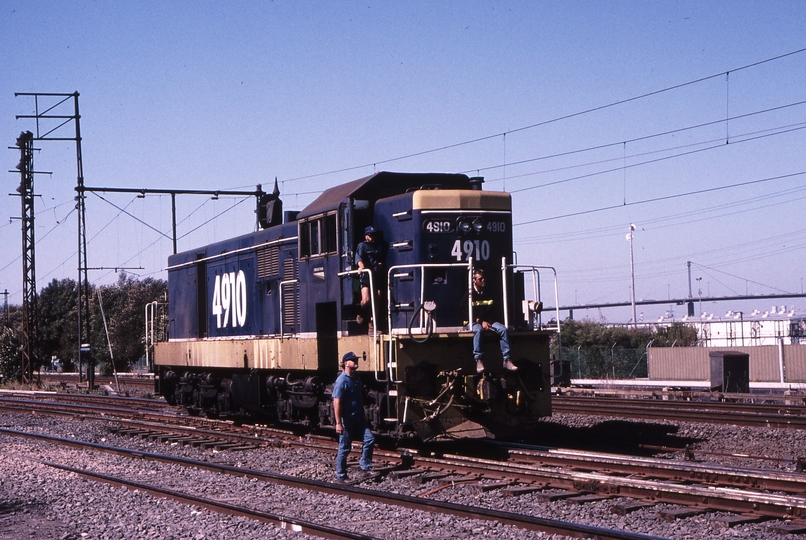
[[73, 409], [157, 423], [416, 503], [650, 409], [288, 523], [723, 494], [554, 457], [627, 392], [725, 498], [789, 482], [715, 403]]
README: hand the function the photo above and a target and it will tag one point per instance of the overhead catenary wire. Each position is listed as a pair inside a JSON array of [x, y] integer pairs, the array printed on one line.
[[737, 277], [512, 177], [663, 198], [534, 125], [140, 252], [642, 138], [708, 213]]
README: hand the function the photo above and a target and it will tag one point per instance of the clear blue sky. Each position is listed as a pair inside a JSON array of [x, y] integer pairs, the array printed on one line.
[[226, 95]]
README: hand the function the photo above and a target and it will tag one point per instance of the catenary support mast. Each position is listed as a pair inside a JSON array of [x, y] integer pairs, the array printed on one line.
[[47, 117], [25, 142]]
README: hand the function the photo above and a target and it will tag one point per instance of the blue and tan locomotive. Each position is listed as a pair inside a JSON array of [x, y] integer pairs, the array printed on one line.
[[259, 323]]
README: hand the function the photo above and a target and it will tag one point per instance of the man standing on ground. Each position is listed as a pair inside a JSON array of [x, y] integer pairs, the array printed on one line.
[[351, 424]]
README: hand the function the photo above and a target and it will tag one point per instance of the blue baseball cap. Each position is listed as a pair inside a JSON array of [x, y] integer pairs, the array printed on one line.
[[349, 356], [370, 230]]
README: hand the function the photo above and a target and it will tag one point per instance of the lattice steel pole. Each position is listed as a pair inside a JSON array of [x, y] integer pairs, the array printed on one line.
[[29, 312]]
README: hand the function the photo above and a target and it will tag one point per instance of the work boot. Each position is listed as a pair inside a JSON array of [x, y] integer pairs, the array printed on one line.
[[479, 366], [509, 366]]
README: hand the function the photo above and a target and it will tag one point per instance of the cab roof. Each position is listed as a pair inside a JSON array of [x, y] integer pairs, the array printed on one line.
[[381, 185]]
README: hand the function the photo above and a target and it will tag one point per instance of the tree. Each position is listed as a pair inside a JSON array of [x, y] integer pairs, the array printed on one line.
[[602, 350], [10, 354], [58, 322], [592, 334], [124, 308]]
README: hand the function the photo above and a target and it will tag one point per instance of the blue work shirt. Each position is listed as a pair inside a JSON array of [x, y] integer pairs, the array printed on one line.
[[370, 254], [351, 393]]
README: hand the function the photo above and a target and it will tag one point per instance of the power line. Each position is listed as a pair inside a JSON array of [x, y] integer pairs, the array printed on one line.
[[551, 121], [131, 215], [638, 139], [686, 217], [658, 199], [739, 277], [657, 160]]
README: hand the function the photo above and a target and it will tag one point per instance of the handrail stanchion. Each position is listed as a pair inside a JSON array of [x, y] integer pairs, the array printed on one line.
[[504, 290], [536, 292], [374, 323], [375, 362], [470, 293], [535, 271]]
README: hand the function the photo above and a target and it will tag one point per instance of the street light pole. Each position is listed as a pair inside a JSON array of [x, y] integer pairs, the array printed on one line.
[[632, 276], [699, 292]]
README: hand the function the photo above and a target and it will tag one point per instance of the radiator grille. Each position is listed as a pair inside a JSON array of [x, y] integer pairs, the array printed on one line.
[[268, 262], [290, 295]]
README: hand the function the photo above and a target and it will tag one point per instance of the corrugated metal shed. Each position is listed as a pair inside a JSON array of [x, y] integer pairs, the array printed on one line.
[[693, 363]]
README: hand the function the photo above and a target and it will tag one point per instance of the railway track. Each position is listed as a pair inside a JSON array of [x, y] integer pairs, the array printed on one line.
[[550, 474], [417, 503], [791, 416]]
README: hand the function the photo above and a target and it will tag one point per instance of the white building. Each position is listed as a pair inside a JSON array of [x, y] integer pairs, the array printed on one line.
[[737, 328]]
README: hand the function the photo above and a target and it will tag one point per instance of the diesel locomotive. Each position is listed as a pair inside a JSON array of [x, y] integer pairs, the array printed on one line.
[[258, 323]]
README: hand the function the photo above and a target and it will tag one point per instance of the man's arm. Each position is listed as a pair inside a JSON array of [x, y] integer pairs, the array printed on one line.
[[337, 413]]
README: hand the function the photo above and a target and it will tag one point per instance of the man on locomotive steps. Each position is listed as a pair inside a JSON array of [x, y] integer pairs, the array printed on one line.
[[351, 424], [369, 255], [483, 310]]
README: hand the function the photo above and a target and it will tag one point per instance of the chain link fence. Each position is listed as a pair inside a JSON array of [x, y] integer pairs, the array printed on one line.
[[603, 362]]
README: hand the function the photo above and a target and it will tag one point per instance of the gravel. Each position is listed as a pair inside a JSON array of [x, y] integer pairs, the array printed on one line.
[[37, 501]]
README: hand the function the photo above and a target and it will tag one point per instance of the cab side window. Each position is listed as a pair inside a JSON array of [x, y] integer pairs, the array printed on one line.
[[317, 236]]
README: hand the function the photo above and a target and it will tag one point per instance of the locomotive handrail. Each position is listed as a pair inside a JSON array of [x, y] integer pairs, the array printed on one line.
[[468, 264], [286, 240], [536, 286], [282, 284], [421, 267], [150, 316], [504, 290], [374, 319]]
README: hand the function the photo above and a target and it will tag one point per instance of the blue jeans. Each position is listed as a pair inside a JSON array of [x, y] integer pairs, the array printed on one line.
[[478, 340], [354, 428]]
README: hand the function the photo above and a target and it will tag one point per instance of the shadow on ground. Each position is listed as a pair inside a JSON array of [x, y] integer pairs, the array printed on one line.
[[611, 436]]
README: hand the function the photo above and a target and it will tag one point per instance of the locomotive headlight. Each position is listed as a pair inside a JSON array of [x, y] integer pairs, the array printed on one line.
[[478, 225], [464, 227]]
